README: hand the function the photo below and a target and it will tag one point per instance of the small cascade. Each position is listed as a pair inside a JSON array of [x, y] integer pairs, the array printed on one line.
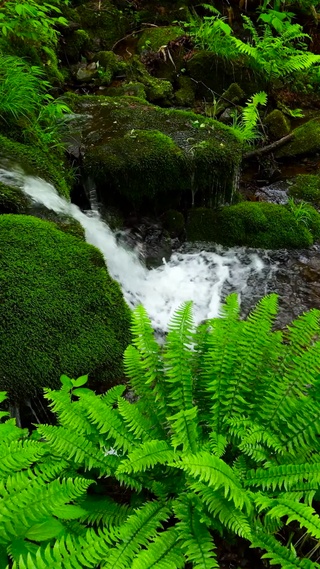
[[204, 277]]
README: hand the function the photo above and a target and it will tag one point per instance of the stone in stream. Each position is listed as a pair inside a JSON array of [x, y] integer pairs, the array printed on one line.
[[154, 159]]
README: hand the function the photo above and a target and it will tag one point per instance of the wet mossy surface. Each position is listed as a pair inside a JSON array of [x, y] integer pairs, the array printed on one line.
[[307, 188], [13, 200], [60, 310], [278, 124], [306, 140], [154, 38], [36, 161], [143, 151], [262, 225], [104, 24]]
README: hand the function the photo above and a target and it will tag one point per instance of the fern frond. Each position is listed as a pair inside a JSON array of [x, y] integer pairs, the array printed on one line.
[[108, 421], [295, 511], [278, 554], [195, 538], [135, 533], [177, 357], [217, 505], [70, 413], [184, 427], [284, 476], [216, 474], [102, 510], [69, 444], [163, 553], [146, 456], [19, 454], [138, 422]]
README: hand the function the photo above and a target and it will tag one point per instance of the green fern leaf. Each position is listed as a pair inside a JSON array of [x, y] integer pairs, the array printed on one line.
[[163, 553], [146, 456]]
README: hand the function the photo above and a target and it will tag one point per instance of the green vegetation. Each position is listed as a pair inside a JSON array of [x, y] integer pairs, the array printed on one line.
[[154, 38], [278, 124], [60, 310], [306, 141], [219, 439], [13, 200], [306, 187], [256, 224]]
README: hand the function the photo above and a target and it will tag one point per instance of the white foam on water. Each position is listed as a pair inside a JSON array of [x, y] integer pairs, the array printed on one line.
[[197, 276]]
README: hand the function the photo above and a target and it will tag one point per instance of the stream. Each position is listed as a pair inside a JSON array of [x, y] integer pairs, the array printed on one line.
[[203, 273]]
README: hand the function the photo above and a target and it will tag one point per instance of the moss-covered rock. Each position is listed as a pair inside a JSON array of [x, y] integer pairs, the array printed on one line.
[[214, 73], [110, 65], [173, 222], [307, 188], [76, 45], [254, 224], [154, 156], [185, 95], [306, 140], [37, 162], [278, 124], [154, 38], [157, 90], [60, 310], [13, 200], [127, 89], [233, 95]]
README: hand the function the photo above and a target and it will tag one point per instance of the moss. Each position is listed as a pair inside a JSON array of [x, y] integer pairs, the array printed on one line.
[[36, 161], [154, 38], [212, 72], [76, 44], [185, 95], [131, 89], [173, 222], [105, 26], [109, 65], [307, 188], [13, 200], [199, 155], [264, 225], [277, 123], [60, 310], [234, 94], [157, 90], [306, 140]]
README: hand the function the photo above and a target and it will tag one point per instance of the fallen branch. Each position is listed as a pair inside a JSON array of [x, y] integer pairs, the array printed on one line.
[[269, 147]]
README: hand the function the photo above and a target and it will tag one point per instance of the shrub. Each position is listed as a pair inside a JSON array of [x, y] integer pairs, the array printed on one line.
[[60, 310], [219, 439]]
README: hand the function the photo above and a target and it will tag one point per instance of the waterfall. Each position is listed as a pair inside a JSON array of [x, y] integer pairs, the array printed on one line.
[[201, 276]]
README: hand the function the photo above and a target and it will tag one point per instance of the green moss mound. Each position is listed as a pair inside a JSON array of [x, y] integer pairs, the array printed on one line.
[[307, 188], [277, 123], [154, 38], [35, 161], [146, 151], [262, 225], [13, 200], [306, 140], [59, 309]]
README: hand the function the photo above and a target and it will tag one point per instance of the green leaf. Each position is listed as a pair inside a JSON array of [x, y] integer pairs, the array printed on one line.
[[66, 381], [45, 530], [80, 381], [69, 512]]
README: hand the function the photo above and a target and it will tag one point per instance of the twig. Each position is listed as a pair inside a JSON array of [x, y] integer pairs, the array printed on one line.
[[269, 147], [150, 26]]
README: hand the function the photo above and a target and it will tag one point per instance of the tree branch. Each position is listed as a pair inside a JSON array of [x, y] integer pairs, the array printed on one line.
[[269, 147]]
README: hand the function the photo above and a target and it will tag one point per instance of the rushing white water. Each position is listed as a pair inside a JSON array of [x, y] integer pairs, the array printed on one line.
[[198, 276]]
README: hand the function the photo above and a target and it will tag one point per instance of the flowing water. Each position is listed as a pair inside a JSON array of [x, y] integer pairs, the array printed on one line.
[[204, 276], [203, 273]]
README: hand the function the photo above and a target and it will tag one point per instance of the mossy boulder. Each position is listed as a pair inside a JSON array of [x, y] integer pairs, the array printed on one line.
[[60, 310], [253, 224], [185, 95], [154, 38], [35, 161], [233, 95], [110, 65], [306, 140], [214, 73], [278, 124], [128, 89], [76, 45], [157, 90], [307, 188], [13, 200], [143, 156]]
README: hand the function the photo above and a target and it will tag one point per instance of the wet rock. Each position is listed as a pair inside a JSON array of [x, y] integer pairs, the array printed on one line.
[[149, 159], [278, 124], [274, 193], [86, 72], [306, 140]]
